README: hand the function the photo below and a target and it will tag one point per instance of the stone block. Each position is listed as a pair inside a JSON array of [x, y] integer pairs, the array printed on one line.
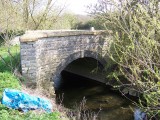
[[50, 52]]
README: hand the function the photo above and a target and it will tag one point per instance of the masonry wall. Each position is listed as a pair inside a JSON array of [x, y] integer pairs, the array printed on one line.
[[28, 60], [44, 59]]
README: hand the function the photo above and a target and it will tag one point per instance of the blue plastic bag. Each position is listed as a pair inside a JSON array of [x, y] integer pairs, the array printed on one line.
[[16, 99]]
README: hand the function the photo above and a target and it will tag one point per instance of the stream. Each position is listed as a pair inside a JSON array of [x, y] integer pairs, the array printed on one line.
[[100, 99]]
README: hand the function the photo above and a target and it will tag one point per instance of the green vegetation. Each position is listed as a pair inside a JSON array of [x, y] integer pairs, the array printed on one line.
[[19, 16], [8, 80], [10, 114], [10, 59], [9, 62], [88, 24], [134, 27]]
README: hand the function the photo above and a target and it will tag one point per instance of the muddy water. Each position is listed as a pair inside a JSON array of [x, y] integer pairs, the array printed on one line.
[[99, 98]]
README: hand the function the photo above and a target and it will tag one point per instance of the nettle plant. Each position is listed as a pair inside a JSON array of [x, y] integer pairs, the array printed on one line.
[[135, 46]]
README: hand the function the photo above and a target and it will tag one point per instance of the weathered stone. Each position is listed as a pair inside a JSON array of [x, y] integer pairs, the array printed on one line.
[[44, 54]]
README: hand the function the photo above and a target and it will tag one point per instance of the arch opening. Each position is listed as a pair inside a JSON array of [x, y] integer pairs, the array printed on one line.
[[84, 71], [78, 56]]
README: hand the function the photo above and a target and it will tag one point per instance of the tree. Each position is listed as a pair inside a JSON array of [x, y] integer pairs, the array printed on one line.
[[16, 16], [39, 12], [134, 26], [28, 14], [65, 21]]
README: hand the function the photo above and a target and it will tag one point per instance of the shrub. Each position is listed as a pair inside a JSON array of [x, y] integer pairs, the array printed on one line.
[[134, 46], [87, 25]]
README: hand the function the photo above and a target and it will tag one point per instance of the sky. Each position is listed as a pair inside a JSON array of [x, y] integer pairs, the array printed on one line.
[[76, 6]]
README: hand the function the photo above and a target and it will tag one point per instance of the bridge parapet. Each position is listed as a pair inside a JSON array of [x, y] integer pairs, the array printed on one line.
[[35, 35], [44, 54]]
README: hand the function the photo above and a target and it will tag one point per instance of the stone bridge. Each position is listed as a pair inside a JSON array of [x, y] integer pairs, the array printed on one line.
[[45, 54]]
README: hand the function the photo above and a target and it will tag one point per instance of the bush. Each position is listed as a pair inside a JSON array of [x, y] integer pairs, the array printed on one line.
[[135, 47], [87, 25]]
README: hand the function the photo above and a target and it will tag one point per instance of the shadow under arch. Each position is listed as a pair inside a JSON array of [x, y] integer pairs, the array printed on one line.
[[65, 62]]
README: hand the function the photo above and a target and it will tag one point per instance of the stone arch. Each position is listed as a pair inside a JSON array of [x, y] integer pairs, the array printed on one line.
[[65, 62]]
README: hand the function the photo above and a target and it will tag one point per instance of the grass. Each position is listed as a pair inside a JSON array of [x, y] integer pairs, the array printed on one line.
[[9, 61], [9, 58], [10, 114], [8, 80]]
